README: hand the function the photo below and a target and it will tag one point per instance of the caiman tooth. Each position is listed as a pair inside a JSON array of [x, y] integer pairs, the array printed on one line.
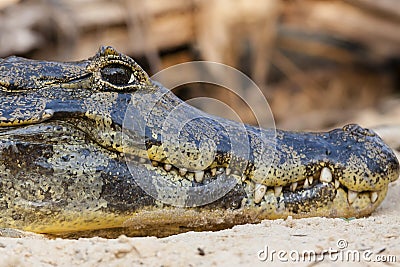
[[228, 171], [277, 190], [213, 171], [220, 170], [259, 192], [337, 184], [351, 196], [142, 160], [293, 186], [154, 163], [326, 175], [182, 171], [167, 167], [374, 196], [310, 180], [306, 184], [48, 113], [199, 176]]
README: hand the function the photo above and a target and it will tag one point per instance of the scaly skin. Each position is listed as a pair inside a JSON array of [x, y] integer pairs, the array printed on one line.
[[72, 164]]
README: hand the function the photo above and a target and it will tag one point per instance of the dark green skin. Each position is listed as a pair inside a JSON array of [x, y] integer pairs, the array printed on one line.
[[64, 157]]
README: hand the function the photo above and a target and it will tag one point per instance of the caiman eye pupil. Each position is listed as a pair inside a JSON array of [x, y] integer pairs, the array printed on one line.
[[116, 74]]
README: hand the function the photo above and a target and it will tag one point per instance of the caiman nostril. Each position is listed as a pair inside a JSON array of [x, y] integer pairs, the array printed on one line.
[[358, 131]]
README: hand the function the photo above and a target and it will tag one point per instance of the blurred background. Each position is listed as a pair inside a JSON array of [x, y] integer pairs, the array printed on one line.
[[320, 64]]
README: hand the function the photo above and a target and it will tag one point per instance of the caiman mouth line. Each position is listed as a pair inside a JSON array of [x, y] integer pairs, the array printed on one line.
[[295, 190]]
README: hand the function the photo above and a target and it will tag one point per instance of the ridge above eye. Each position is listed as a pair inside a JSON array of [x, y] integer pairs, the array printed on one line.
[[117, 74]]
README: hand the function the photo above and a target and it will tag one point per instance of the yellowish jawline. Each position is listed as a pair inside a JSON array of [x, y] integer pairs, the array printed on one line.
[[168, 218]]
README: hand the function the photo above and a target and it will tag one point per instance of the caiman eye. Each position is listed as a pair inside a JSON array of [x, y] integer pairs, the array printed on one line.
[[117, 74]]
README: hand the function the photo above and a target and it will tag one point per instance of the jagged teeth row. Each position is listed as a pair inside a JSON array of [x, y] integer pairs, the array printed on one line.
[[325, 177], [352, 196], [198, 175], [308, 182], [260, 189]]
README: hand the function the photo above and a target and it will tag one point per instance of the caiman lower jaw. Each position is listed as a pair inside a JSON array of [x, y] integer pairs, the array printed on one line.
[[306, 191], [321, 196]]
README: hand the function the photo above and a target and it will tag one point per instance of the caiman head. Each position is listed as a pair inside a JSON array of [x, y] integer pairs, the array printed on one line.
[[344, 172]]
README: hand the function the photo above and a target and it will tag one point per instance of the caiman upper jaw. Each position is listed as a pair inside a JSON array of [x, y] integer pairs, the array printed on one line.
[[345, 171], [355, 172]]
